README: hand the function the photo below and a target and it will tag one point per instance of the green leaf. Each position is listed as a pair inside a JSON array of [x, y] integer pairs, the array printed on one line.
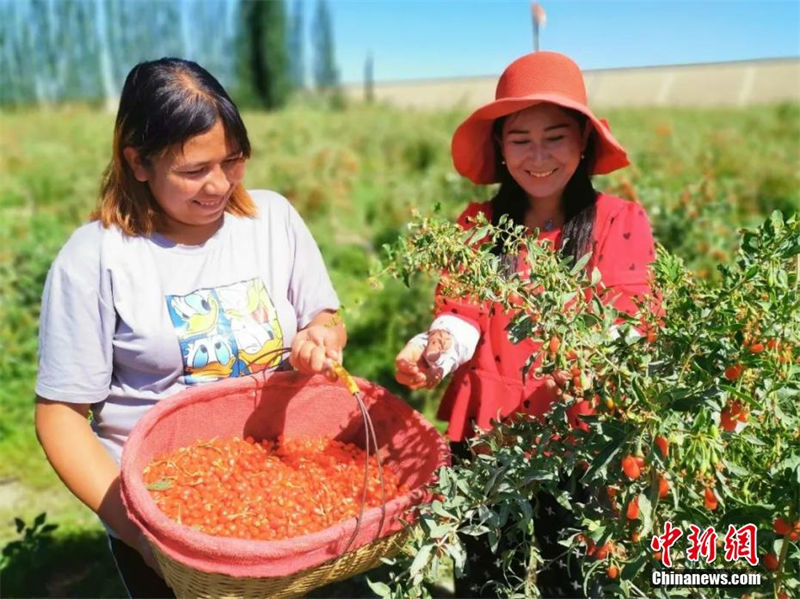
[[494, 540], [751, 440], [791, 462], [439, 510], [421, 559], [776, 220], [381, 589], [638, 392], [459, 555], [160, 485], [685, 403], [474, 530], [646, 510], [602, 460], [505, 511], [39, 520], [748, 514], [788, 393], [580, 264], [463, 486], [525, 507], [439, 530], [567, 297], [632, 568], [733, 468], [12, 547], [19, 523], [444, 479], [493, 480]]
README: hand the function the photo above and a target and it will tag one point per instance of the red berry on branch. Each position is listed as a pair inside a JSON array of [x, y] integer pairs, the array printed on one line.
[[631, 467]]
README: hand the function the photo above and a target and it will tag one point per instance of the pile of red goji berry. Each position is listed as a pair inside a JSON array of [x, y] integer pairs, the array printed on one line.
[[264, 489]]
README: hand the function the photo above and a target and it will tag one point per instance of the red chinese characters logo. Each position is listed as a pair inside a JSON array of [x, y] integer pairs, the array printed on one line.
[[702, 544], [740, 543], [664, 542]]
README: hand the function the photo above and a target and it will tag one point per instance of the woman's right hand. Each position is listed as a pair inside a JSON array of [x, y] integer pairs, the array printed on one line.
[[415, 365]]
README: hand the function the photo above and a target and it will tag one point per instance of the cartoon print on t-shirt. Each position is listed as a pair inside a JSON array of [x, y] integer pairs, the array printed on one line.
[[226, 331], [254, 322], [198, 311]]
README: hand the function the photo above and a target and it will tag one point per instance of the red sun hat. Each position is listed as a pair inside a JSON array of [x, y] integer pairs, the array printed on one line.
[[529, 80]]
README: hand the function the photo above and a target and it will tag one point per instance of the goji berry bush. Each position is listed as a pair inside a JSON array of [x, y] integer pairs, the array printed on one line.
[[690, 418]]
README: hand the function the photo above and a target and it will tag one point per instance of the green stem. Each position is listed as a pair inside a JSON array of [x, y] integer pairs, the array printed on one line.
[[781, 566], [797, 271], [686, 365]]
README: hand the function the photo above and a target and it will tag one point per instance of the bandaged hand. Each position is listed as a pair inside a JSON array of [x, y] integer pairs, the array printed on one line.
[[417, 365], [431, 356]]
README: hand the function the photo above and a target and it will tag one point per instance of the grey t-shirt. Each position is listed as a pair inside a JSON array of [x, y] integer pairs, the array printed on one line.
[[127, 321]]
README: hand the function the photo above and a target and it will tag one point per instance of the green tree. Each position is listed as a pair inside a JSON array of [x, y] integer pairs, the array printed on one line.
[[296, 63], [326, 75], [369, 79], [264, 62]]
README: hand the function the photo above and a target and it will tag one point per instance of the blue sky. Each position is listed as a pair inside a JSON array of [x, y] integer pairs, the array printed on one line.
[[412, 39]]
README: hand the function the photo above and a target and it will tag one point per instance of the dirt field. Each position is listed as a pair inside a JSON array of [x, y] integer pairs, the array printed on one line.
[[719, 84]]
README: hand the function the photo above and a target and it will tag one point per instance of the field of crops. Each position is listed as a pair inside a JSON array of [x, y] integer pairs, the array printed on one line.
[[355, 174]]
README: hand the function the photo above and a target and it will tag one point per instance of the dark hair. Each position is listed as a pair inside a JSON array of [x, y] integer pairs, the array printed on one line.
[[164, 103], [578, 200]]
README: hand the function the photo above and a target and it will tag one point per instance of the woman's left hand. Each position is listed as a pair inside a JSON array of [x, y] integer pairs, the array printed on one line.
[[556, 382], [316, 347]]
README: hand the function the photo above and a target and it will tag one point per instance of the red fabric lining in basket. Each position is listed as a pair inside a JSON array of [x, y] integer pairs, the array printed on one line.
[[265, 406]]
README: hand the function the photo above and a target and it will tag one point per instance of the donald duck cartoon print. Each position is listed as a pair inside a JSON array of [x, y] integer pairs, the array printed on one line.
[[226, 331]]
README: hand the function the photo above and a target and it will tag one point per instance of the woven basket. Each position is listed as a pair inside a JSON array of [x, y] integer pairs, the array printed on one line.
[[264, 406], [187, 582]]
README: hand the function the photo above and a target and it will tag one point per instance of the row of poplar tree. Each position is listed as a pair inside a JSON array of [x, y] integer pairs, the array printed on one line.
[[78, 50]]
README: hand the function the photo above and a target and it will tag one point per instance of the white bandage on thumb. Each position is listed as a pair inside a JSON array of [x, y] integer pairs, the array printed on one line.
[[465, 338]]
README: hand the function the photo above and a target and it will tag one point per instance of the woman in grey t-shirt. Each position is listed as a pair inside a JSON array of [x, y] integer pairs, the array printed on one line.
[[182, 277]]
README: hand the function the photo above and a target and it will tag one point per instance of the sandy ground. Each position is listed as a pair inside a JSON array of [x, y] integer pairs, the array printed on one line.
[[740, 83]]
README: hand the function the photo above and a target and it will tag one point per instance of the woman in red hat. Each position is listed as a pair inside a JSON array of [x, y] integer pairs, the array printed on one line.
[[542, 143]]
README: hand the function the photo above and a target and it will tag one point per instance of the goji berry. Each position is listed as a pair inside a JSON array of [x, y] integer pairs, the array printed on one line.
[[732, 373], [711, 502], [602, 552], [663, 487], [631, 467], [265, 490], [771, 562], [663, 446], [727, 420], [781, 526], [632, 512]]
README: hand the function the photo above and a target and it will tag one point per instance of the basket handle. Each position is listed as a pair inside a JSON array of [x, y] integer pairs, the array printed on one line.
[[370, 441], [369, 437]]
